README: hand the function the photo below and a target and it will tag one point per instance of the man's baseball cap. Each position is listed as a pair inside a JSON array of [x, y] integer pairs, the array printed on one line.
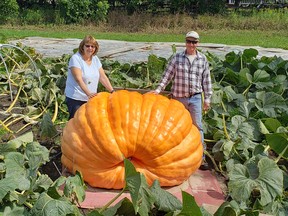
[[193, 34]]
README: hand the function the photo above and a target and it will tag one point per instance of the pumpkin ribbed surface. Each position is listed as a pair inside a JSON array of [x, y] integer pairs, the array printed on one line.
[[154, 132]]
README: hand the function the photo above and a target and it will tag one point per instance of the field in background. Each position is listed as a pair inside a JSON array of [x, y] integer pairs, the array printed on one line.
[[266, 28]]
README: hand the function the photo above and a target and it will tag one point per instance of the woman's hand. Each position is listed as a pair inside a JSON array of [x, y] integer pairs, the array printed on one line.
[[91, 95]]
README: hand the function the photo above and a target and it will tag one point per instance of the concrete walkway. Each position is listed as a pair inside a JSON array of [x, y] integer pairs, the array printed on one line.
[[203, 185], [133, 52]]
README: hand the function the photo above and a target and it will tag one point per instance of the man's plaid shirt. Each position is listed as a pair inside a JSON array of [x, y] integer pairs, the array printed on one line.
[[187, 79]]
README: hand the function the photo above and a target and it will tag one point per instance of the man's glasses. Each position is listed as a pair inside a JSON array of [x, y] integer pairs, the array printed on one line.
[[89, 46], [191, 41]]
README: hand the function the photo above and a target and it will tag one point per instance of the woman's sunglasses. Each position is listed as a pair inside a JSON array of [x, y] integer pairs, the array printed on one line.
[[89, 46], [191, 41]]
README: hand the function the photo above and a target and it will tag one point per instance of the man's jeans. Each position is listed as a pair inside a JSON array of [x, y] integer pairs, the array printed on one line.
[[194, 105]]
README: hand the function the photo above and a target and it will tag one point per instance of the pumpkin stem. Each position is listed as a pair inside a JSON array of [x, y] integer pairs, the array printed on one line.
[[213, 161], [112, 200], [225, 128]]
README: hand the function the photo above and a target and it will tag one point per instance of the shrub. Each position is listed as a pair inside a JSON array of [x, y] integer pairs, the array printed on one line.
[[99, 10], [78, 11], [212, 6], [8, 10], [197, 6], [32, 17]]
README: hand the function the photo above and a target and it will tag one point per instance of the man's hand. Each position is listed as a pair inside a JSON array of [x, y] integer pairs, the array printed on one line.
[[153, 92], [206, 106]]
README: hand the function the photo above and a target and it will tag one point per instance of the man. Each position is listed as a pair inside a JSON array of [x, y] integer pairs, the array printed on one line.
[[190, 76]]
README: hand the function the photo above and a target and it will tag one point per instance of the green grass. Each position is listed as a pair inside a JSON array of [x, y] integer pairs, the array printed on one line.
[[265, 29], [232, 37]]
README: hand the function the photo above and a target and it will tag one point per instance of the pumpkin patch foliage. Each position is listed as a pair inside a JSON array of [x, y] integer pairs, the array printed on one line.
[[245, 131]]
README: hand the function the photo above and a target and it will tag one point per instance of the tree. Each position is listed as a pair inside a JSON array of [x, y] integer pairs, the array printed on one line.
[[77, 11], [8, 10]]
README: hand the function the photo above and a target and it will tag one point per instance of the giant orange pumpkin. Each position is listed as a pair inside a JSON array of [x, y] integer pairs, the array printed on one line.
[[154, 132]]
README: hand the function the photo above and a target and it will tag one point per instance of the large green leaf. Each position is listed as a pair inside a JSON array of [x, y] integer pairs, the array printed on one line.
[[46, 206], [36, 155], [250, 54], [269, 181], [227, 147], [272, 124], [273, 65], [260, 76], [190, 207], [165, 201], [230, 93], [245, 78], [156, 66], [14, 144], [43, 182], [276, 64], [6, 185], [262, 80], [123, 207], [269, 103], [245, 147], [226, 209], [132, 82], [233, 61], [280, 84], [279, 208], [13, 210], [217, 97], [245, 128], [47, 128], [245, 108], [231, 76], [142, 197], [15, 167], [279, 143]]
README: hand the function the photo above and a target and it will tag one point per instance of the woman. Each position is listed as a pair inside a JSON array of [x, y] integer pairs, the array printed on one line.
[[84, 73]]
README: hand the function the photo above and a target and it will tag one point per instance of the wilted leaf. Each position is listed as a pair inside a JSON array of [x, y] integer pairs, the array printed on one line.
[[75, 186], [38, 94], [16, 143], [47, 128]]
